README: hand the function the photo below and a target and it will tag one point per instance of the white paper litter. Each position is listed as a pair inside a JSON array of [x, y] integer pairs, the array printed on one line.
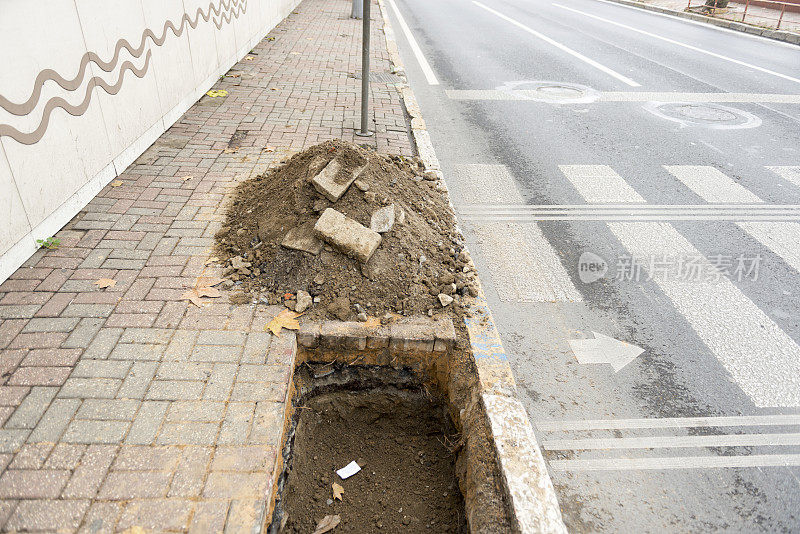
[[349, 470]]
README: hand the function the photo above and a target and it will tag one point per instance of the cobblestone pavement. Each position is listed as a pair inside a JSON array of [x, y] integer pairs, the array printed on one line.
[[125, 406]]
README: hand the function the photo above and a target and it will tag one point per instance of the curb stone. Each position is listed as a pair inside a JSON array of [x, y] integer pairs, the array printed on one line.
[[778, 35], [528, 489]]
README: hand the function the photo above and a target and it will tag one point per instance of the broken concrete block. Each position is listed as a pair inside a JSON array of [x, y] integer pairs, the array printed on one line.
[[347, 235], [383, 219], [330, 184], [303, 238]]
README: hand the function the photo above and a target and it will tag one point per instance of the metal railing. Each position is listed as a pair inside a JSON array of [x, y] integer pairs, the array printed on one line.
[[710, 8]]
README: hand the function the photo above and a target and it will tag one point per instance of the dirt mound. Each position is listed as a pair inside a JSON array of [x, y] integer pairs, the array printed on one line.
[[419, 265]]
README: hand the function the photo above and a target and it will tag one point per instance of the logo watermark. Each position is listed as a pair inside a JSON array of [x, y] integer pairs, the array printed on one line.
[[698, 268]]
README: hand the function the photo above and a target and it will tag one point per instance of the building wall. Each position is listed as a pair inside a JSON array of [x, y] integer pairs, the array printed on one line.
[[87, 86]]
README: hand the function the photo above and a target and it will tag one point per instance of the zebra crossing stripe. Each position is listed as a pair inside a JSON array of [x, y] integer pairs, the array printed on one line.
[[762, 359], [719, 421], [661, 442], [712, 185], [676, 462]]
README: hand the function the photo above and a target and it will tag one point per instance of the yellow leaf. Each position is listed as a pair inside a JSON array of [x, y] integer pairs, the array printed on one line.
[[249, 58], [194, 297], [214, 93], [105, 282], [328, 523], [337, 491], [116, 183], [231, 150], [285, 319]]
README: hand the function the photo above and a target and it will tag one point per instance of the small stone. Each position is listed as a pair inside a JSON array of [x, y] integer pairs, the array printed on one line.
[[400, 216], [317, 300], [340, 308], [304, 301], [445, 300], [302, 238], [358, 308], [430, 176], [362, 185], [319, 279], [383, 219], [362, 317], [238, 263]]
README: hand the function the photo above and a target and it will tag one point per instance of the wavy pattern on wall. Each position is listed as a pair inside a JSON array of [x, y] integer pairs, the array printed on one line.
[[226, 11]]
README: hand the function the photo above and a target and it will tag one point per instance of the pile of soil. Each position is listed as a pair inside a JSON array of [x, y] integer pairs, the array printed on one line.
[[419, 259], [407, 480]]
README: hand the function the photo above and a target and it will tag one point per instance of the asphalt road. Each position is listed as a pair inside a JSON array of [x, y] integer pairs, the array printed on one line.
[[670, 152]]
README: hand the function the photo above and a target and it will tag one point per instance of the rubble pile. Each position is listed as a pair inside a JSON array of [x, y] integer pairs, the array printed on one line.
[[342, 231]]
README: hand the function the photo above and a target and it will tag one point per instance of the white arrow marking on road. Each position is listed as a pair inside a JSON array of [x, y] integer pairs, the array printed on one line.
[[604, 349]]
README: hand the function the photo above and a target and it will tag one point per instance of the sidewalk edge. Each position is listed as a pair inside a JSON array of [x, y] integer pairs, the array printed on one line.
[[526, 483], [778, 35]]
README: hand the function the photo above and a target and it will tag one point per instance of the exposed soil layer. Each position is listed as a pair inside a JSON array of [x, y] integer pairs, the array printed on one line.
[[419, 259], [401, 441]]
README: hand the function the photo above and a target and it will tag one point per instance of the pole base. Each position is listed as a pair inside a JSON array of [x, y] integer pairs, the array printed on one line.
[[364, 134]]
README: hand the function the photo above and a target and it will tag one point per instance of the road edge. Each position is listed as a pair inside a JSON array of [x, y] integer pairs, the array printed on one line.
[[778, 35], [528, 489]]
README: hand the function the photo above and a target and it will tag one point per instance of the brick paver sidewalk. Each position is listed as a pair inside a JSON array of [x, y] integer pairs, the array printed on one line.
[[126, 407]]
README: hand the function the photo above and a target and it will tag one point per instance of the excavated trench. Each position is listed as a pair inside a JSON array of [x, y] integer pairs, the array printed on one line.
[[397, 431]]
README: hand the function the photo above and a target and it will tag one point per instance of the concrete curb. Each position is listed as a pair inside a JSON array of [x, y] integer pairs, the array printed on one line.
[[778, 35], [531, 498]]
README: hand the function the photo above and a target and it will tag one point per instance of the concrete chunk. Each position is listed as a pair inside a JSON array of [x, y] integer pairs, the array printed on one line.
[[327, 184], [347, 235], [383, 219], [302, 238]]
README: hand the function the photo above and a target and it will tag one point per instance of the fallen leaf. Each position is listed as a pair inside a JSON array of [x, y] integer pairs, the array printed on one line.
[[187, 177], [273, 88], [105, 282], [233, 75], [249, 58], [116, 183], [211, 292], [285, 319], [268, 148], [208, 281], [337, 491], [214, 93], [328, 523], [231, 150], [194, 297]]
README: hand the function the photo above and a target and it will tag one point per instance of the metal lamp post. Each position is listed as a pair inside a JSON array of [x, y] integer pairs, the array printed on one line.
[[364, 132]]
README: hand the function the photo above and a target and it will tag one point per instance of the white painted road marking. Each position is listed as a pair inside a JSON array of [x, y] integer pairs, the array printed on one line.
[[669, 422], [762, 359], [629, 212], [561, 47], [599, 183], [480, 184], [684, 45], [623, 96], [423, 63], [712, 185], [679, 462], [523, 265], [666, 442], [604, 349], [789, 173]]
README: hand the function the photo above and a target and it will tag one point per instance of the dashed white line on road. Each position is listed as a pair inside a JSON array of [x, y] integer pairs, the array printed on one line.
[[561, 47], [676, 462], [523, 265], [423, 63], [684, 45], [669, 422], [666, 442], [622, 96], [762, 359], [712, 185]]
